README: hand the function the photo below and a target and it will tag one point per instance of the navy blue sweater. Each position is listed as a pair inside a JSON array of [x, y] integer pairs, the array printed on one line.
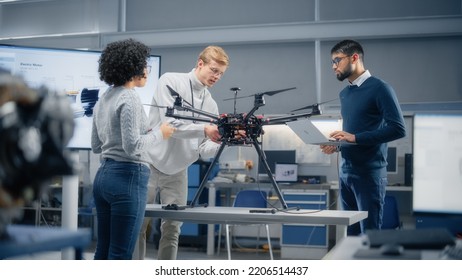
[[371, 112]]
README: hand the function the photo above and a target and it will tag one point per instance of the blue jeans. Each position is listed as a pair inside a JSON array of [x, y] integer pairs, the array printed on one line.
[[120, 190], [363, 193]]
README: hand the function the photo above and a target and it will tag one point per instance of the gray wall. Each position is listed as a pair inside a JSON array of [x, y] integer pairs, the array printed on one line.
[[273, 44], [256, 68]]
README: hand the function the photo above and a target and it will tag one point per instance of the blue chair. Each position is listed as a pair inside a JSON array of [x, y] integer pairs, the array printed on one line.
[[391, 218], [249, 199]]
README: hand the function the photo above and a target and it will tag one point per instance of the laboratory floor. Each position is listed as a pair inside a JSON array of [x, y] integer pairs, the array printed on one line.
[[184, 253]]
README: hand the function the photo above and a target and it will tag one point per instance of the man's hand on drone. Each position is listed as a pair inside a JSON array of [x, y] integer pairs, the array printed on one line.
[[211, 131], [240, 134]]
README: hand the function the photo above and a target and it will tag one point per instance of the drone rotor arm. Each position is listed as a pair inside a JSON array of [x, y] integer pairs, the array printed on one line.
[[314, 106], [284, 119], [200, 112], [158, 106], [182, 117]]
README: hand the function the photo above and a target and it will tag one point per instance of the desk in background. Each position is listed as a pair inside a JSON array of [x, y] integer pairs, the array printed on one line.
[[229, 188], [296, 240]]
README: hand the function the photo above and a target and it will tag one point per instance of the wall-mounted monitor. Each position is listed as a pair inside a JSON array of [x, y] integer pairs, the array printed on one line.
[[73, 72], [437, 163]]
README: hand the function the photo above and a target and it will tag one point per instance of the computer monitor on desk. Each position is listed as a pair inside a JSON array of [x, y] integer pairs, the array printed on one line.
[[273, 157], [392, 160]]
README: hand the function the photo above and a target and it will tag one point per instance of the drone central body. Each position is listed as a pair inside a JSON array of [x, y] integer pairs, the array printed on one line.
[[231, 127]]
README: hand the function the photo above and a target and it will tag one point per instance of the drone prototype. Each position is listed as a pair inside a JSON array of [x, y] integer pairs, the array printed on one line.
[[231, 126]]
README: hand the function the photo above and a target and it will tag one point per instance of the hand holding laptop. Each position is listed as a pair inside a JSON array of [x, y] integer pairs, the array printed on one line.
[[329, 149], [339, 136], [310, 134]]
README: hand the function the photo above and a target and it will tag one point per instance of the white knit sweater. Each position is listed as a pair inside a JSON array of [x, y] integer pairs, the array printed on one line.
[[188, 141]]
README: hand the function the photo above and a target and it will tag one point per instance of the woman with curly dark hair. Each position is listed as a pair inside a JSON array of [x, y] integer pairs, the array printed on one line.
[[121, 134]]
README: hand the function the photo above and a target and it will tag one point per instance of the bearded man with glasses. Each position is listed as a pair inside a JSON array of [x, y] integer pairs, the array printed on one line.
[[371, 117]]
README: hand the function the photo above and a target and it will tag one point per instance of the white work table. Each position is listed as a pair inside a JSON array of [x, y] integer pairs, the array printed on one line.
[[223, 215]]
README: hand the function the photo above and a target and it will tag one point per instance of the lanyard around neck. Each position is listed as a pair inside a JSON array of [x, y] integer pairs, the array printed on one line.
[[192, 98]]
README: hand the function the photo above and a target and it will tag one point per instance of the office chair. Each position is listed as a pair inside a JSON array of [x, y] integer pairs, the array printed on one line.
[[252, 199], [391, 218]]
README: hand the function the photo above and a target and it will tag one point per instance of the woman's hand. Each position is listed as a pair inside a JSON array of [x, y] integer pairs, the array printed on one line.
[[167, 130]]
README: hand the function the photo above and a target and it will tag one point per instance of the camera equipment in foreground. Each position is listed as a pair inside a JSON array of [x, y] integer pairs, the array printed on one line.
[[35, 127]]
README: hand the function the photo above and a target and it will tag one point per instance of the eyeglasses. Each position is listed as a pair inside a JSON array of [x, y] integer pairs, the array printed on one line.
[[337, 60], [148, 69], [216, 72]]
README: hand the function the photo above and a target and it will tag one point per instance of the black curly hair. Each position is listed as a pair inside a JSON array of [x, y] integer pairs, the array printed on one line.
[[123, 60]]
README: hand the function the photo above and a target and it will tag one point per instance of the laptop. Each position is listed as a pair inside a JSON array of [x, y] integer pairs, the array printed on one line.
[[310, 134]]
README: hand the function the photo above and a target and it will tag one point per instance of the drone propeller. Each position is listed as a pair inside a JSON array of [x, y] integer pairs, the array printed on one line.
[[313, 106], [173, 92], [177, 95], [269, 93]]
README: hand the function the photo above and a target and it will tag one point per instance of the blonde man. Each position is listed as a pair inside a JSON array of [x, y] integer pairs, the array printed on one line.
[[168, 182]]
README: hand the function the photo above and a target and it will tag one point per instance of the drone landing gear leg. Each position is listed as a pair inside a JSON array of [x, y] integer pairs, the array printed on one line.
[[261, 155], [205, 179]]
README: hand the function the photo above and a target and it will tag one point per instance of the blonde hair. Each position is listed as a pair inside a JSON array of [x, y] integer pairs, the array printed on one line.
[[216, 54]]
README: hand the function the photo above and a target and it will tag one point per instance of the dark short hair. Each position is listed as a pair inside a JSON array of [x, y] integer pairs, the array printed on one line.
[[348, 47], [123, 60]]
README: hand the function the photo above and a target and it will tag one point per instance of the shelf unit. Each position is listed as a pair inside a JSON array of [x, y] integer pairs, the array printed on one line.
[[305, 241], [47, 210]]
